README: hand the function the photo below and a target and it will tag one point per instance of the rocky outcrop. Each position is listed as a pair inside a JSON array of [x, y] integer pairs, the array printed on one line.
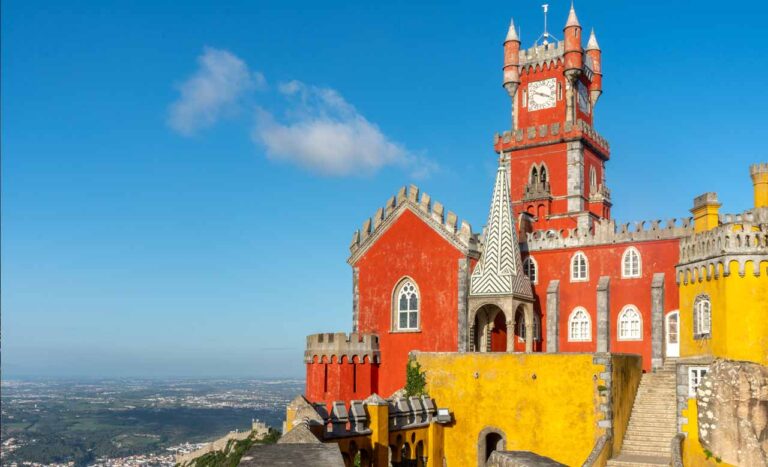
[[733, 412]]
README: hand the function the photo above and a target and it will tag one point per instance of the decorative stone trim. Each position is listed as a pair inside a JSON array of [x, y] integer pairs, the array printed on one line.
[[657, 320], [751, 239], [677, 450], [605, 232], [432, 212], [553, 316], [709, 269], [603, 314], [340, 344]]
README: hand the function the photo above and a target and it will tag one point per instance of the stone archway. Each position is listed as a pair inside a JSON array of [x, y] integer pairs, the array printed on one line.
[[490, 439], [490, 329]]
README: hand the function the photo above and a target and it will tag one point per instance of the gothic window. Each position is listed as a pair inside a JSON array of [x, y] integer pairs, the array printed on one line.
[[525, 98], [592, 180], [630, 324], [521, 328], [543, 175], [559, 91], [530, 268], [579, 326], [407, 306], [702, 317], [534, 176], [630, 263], [579, 268]]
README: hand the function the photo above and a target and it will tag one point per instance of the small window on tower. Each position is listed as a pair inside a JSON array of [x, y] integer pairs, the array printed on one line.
[[525, 98], [534, 176], [559, 91], [543, 176]]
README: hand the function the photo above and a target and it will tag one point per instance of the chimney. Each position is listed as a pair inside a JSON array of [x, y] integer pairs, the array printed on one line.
[[759, 173], [705, 212]]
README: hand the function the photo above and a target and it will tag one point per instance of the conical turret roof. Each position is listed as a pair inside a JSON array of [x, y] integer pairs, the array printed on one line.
[[572, 19], [512, 33], [592, 44]]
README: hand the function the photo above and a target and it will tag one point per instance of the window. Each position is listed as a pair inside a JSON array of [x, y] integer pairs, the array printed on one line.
[[579, 268], [592, 180], [695, 375], [630, 324], [543, 176], [530, 269], [407, 306], [534, 176], [559, 91], [630, 263], [525, 98], [579, 326], [702, 317], [521, 328]]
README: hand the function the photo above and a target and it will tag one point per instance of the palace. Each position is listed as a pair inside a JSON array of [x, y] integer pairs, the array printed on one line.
[[553, 330]]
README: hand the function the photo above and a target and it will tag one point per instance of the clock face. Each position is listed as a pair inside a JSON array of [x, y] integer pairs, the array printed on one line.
[[583, 99], [541, 94]]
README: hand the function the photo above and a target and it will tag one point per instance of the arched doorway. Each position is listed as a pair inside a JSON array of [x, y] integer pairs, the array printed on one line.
[[490, 439], [499, 333]]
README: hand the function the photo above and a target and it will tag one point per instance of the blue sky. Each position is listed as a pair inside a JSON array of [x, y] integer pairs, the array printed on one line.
[[181, 180]]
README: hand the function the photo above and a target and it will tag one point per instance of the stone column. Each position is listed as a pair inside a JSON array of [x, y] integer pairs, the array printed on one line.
[[462, 305], [355, 299], [657, 320], [575, 176], [528, 328], [511, 332], [553, 316], [603, 314]]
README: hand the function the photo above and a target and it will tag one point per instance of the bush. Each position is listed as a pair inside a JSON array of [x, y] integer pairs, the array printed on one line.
[[415, 379]]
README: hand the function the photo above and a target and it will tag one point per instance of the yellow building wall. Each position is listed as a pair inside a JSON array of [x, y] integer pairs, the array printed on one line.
[[626, 373], [544, 403], [739, 316]]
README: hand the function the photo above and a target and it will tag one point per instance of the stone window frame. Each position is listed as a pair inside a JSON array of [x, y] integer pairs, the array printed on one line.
[[395, 327], [702, 317], [626, 273], [579, 278], [527, 263], [571, 317], [592, 179], [622, 316], [695, 375]]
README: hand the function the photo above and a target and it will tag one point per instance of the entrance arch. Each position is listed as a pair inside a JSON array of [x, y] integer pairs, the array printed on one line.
[[490, 439]]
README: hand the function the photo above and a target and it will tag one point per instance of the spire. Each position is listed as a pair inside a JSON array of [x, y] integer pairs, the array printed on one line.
[[592, 43], [500, 269], [512, 33], [572, 19]]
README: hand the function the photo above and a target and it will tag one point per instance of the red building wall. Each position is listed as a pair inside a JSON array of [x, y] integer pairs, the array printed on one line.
[[605, 260], [409, 248], [330, 378]]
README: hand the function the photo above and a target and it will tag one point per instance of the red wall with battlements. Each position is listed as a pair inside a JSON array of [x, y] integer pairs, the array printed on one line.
[[409, 248]]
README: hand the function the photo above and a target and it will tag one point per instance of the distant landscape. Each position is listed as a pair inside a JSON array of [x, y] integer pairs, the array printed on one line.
[[100, 422]]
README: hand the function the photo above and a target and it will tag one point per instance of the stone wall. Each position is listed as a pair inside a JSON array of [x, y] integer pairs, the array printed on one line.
[[733, 412]]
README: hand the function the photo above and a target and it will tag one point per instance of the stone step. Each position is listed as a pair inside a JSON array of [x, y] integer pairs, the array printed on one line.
[[650, 434], [647, 450], [630, 460], [650, 426], [646, 417], [660, 443]]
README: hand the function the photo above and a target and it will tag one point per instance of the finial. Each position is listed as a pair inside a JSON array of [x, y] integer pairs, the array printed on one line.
[[572, 19], [546, 35], [592, 44], [512, 33]]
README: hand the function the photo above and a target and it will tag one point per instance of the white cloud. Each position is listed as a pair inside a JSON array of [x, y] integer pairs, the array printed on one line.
[[214, 90], [326, 134]]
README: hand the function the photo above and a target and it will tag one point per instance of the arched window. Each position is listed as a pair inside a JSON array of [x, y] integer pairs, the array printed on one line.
[[592, 179], [579, 326], [407, 306], [543, 175], [579, 268], [630, 324], [531, 269], [536, 328], [630, 263], [534, 175], [702, 317]]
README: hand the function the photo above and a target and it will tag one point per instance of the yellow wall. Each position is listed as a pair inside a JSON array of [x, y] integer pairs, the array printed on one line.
[[626, 372], [739, 324], [554, 414]]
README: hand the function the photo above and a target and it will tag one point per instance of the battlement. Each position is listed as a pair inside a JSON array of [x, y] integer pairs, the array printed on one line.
[[342, 345], [549, 133], [606, 232], [541, 54], [432, 212], [757, 169]]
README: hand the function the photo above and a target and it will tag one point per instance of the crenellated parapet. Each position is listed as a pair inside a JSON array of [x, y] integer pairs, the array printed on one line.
[[340, 345], [446, 223], [605, 232], [549, 133], [542, 55], [741, 238]]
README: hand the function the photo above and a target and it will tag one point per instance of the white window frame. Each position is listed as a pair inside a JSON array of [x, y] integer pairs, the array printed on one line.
[[695, 375], [622, 316], [627, 273], [702, 317], [579, 277], [571, 336], [396, 311], [530, 261]]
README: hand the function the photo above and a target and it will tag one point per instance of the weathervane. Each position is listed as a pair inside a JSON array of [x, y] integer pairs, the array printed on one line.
[[546, 34]]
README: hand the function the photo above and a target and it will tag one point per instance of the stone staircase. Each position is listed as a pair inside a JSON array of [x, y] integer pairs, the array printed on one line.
[[653, 423]]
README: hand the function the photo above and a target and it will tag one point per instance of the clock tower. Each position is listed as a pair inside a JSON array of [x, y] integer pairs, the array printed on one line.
[[557, 159]]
